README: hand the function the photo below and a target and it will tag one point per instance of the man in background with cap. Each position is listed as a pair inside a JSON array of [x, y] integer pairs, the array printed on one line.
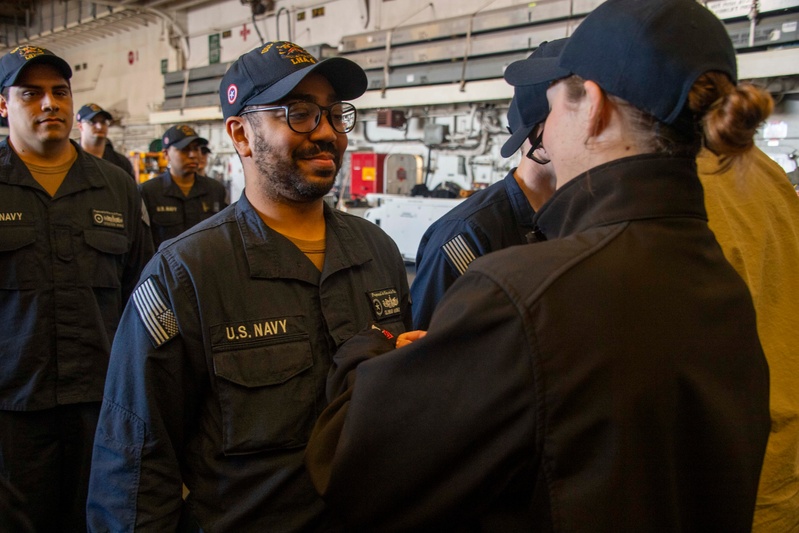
[[492, 219], [222, 357], [93, 123], [181, 197], [73, 243]]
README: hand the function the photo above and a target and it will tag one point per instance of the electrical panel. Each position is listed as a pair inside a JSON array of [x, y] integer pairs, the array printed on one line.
[[366, 174], [390, 118]]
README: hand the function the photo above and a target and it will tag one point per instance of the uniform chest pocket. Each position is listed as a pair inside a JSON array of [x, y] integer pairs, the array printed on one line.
[[173, 217], [104, 261], [18, 263], [267, 395]]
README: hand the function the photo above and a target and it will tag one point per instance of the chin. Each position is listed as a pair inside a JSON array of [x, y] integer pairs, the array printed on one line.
[[55, 136]]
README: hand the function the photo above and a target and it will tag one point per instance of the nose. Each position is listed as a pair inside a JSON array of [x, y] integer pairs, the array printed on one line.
[[50, 102], [324, 130]]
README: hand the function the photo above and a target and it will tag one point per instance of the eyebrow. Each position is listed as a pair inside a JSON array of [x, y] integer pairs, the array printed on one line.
[[34, 86]]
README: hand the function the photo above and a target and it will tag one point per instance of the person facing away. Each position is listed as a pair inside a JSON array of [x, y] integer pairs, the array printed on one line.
[[180, 197], [754, 213], [220, 366], [73, 240], [492, 219], [93, 123], [606, 378]]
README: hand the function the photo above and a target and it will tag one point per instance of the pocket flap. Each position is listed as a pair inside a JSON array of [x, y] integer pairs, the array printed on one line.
[[265, 365], [16, 237], [106, 241]]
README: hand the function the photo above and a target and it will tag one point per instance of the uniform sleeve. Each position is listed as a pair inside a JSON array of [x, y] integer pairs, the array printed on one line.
[[223, 194], [444, 252], [127, 166], [135, 482], [141, 249], [424, 435]]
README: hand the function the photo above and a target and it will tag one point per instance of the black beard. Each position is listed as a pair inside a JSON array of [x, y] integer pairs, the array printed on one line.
[[282, 179]]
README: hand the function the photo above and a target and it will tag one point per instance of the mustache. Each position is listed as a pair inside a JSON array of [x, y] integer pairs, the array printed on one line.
[[318, 148]]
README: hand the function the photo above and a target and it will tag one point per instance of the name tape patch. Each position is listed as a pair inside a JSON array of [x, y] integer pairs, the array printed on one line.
[[108, 219], [385, 303], [257, 330], [11, 217]]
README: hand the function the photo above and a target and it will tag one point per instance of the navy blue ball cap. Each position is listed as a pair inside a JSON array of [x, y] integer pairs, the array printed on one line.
[[519, 131], [267, 74], [89, 111], [529, 106], [12, 64], [647, 52], [180, 137]]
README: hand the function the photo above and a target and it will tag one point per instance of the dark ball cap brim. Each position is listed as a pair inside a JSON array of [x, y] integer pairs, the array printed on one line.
[[347, 78], [183, 143], [534, 71], [529, 106], [45, 59], [90, 116], [516, 140]]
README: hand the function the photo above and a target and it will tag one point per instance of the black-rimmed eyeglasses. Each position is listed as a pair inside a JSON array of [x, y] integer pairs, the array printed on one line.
[[304, 117], [537, 142]]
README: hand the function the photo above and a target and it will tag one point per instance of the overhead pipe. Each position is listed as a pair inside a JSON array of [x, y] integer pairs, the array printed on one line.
[[388, 47], [468, 49], [754, 11]]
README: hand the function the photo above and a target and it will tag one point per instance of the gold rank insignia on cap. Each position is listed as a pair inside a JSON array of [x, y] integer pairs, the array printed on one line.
[[155, 313], [28, 52]]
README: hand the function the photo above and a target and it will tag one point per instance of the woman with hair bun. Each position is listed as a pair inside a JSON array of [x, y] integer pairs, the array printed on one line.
[[754, 212], [606, 378]]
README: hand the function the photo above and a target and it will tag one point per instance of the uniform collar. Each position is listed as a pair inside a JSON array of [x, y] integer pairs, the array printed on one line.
[[271, 255], [632, 188], [84, 173], [522, 211], [172, 189]]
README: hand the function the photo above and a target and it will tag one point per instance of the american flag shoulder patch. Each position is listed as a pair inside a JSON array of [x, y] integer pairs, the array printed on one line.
[[459, 253], [155, 313]]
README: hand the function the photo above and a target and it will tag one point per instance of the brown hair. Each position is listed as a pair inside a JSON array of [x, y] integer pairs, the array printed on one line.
[[720, 115], [730, 114]]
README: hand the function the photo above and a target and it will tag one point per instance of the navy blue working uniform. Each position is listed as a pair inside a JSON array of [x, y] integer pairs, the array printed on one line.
[[489, 220], [67, 266], [521, 411], [172, 212], [112, 156], [218, 373]]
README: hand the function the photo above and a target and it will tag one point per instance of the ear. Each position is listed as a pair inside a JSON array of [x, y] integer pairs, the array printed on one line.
[[238, 129], [166, 156], [598, 110], [3, 107]]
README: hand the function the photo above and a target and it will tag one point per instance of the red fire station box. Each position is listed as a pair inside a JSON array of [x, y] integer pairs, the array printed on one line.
[[366, 174]]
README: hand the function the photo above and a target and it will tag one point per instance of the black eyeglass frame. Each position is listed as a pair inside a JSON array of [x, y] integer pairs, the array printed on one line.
[[537, 143], [286, 107]]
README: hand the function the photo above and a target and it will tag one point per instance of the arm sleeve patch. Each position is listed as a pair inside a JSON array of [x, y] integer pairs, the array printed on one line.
[[155, 313], [459, 253]]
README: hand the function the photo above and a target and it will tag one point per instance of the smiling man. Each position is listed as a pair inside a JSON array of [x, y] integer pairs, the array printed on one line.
[[180, 197], [72, 245], [221, 362]]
